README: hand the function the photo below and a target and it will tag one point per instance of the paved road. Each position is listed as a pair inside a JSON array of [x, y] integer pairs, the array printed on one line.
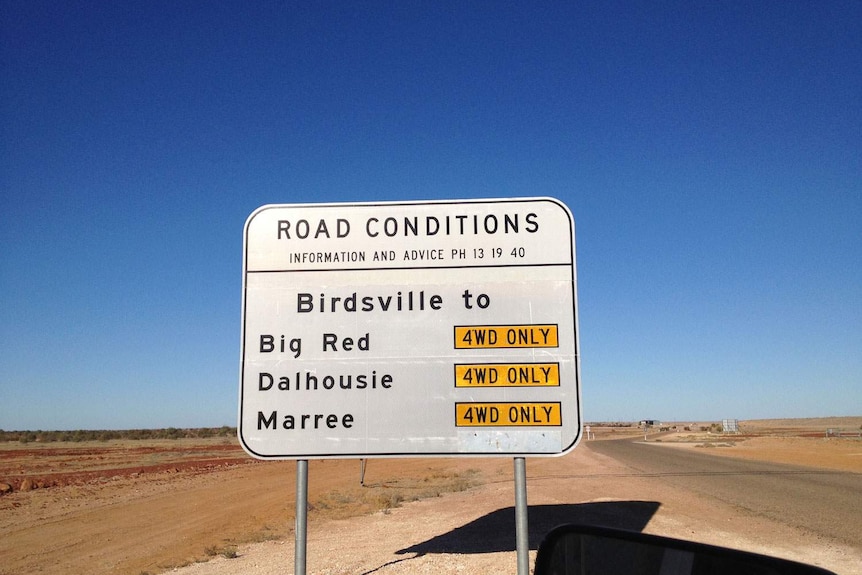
[[827, 503]]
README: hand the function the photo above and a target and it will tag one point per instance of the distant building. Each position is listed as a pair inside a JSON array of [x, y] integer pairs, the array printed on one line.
[[649, 423], [730, 425]]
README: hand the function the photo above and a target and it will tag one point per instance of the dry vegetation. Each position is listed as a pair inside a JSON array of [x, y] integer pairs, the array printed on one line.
[[365, 499], [81, 435]]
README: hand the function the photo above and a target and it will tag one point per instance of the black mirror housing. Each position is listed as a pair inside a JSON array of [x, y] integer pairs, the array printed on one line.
[[593, 550]]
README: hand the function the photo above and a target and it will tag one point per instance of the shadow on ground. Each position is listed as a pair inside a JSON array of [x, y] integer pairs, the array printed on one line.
[[495, 532]]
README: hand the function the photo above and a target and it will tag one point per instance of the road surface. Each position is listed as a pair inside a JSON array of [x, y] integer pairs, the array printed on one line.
[[824, 502]]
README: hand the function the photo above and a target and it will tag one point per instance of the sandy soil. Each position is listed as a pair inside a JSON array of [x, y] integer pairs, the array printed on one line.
[[203, 508], [792, 441]]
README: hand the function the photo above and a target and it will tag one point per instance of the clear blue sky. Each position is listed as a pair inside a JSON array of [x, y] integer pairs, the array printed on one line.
[[711, 154]]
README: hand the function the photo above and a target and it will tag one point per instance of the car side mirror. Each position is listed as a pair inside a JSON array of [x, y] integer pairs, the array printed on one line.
[[590, 550]]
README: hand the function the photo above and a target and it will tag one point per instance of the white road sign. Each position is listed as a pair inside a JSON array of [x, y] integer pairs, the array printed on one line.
[[409, 329]]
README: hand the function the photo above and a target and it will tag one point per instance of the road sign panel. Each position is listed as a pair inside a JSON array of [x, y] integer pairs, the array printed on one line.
[[365, 325], [505, 336], [527, 414], [506, 375]]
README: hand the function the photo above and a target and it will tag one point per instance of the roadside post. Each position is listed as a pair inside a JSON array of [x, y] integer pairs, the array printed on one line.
[[522, 525], [410, 329], [301, 519]]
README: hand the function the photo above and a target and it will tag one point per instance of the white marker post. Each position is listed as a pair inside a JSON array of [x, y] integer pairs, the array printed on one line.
[[410, 329]]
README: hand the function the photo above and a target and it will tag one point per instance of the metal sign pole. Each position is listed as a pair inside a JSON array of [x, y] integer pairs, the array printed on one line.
[[301, 531], [522, 531]]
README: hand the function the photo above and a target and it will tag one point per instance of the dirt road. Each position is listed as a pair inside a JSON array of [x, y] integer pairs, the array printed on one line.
[[825, 502]]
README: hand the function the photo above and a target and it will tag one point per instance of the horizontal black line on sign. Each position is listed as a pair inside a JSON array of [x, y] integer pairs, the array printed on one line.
[[404, 268]]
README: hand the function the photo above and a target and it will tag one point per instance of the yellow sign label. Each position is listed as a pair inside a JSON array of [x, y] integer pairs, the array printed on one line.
[[508, 414], [505, 336], [505, 375]]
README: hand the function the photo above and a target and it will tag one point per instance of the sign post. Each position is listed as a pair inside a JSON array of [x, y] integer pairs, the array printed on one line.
[[410, 329], [522, 528], [301, 520]]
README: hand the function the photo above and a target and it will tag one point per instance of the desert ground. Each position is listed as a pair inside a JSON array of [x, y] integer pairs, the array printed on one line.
[[203, 507]]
